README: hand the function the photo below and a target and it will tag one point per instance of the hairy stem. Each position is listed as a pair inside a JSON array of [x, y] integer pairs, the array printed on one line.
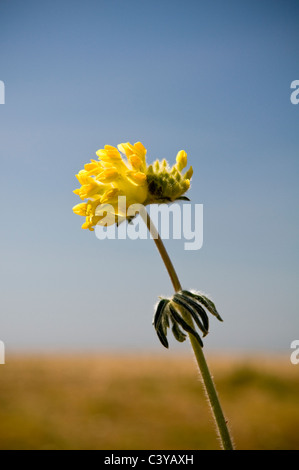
[[207, 380]]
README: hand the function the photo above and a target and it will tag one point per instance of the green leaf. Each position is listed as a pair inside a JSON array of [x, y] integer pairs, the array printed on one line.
[[176, 316], [199, 309], [177, 333], [177, 299], [159, 312], [162, 337]]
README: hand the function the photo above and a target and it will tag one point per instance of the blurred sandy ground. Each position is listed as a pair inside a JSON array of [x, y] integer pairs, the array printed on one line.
[[145, 401]]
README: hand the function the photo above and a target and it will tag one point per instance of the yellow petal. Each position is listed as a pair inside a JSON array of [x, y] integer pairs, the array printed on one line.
[[110, 148], [109, 195], [126, 148], [181, 159], [93, 165], [87, 224], [135, 161], [186, 184], [108, 154], [108, 175], [188, 175], [83, 177], [140, 150], [80, 209]]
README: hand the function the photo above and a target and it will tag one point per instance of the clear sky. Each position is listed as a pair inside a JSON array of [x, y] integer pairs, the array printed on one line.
[[210, 77]]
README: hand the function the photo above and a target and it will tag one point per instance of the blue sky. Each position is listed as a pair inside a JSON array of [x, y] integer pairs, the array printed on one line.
[[212, 78]]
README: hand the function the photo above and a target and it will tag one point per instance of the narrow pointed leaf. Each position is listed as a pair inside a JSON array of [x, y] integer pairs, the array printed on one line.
[[162, 337], [177, 333], [210, 306], [165, 322], [199, 309], [213, 307], [176, 316], [159, 312]]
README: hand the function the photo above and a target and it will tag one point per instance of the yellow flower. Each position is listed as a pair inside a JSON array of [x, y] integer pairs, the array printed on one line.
[[104, 180]]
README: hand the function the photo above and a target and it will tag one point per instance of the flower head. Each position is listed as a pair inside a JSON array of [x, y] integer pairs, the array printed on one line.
[[123, 171]]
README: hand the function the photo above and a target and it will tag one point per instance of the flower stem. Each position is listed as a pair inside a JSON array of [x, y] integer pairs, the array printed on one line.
[[209, 386]]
